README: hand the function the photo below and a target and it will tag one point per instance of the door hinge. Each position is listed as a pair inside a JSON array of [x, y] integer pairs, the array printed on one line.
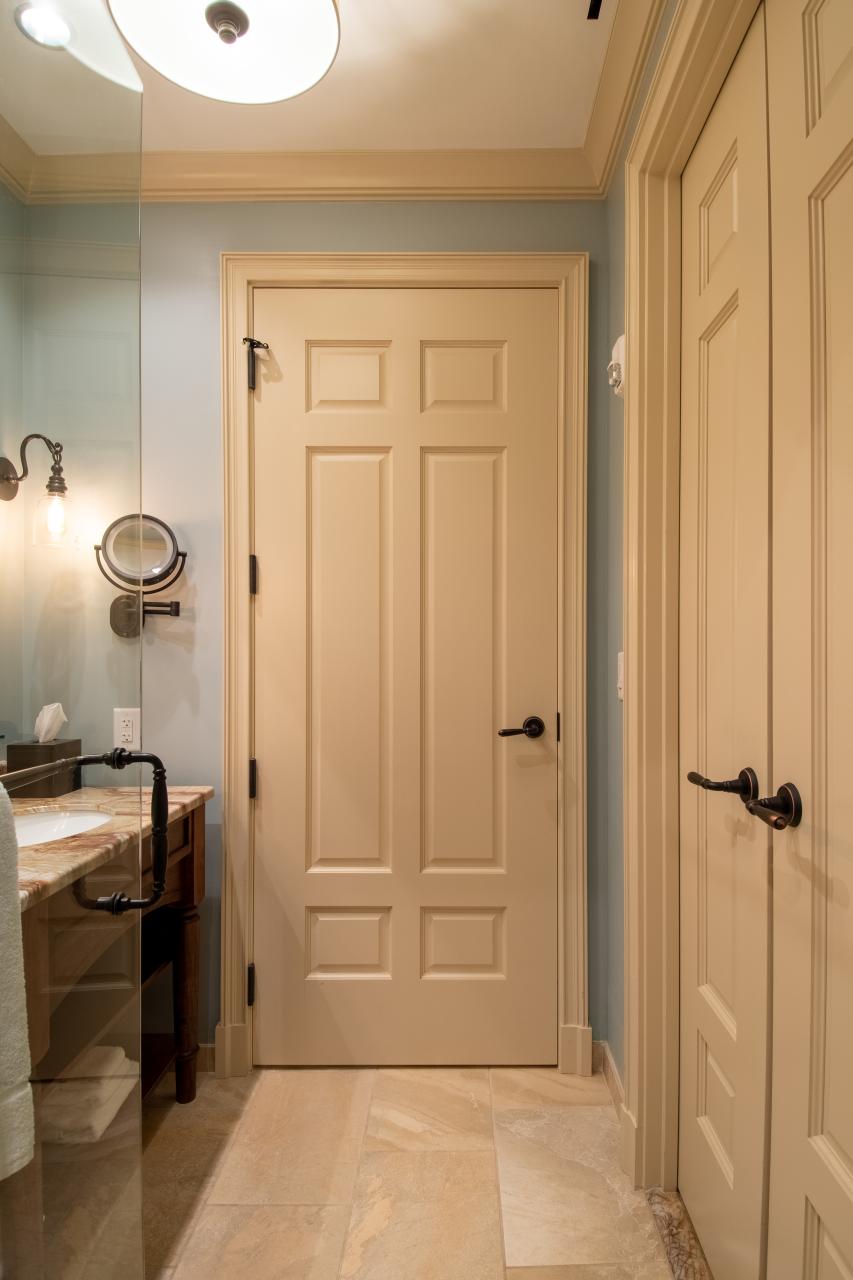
[[252, 345], [250, 986], [253, 779], [558, 726], [253, 575]]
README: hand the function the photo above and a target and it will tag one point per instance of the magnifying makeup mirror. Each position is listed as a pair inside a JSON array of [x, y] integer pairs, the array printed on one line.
[[139, 552]]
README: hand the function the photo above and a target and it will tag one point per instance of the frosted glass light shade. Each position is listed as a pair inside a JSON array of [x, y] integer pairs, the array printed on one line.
[[52, 522], [288, 47]]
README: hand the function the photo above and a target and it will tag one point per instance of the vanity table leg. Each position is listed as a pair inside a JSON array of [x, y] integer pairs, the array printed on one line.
[[185, 976]]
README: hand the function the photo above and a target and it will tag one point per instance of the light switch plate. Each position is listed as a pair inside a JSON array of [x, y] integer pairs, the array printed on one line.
[[127, 728]]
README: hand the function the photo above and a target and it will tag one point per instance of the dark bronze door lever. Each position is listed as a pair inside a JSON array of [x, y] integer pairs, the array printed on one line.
[[744, 785], [785, 809], [533, 727]]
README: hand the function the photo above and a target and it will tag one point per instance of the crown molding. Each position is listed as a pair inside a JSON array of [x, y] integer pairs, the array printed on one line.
[[96, 178], [16, 162], [630, 42], [366, 175], [580, 173]]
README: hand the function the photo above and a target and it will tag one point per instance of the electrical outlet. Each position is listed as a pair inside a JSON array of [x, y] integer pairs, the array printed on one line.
[[127, 728]]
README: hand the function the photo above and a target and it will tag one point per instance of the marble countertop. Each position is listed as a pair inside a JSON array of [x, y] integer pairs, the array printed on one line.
[[44, 869]]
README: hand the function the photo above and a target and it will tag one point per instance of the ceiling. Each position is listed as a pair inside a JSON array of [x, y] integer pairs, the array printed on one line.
[[427, 99], [410, 75]]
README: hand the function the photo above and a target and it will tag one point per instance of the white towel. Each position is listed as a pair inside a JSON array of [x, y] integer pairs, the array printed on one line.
[[16, 1095], [101, 1060], [75, 1111]]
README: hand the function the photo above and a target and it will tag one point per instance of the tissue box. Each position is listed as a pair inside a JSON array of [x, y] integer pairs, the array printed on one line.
[[22, 755]]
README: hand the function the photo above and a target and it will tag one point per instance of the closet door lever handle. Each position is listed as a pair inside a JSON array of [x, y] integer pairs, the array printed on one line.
[[783, 810], [744, 785]]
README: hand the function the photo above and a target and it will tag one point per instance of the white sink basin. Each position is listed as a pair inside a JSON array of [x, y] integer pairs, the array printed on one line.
[[56, 824]]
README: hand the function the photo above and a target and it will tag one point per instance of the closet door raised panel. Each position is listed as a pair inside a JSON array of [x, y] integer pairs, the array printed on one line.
[[405, 506], [810, 63], [724, 670]]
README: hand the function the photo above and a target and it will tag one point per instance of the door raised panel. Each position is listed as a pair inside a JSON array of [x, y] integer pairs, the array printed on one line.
[[832, 888], [828, 55], [341, 375], [718, 217], [463, 375], [463, 626], [348, 943], [464, 942], [349, 652], [823, 1258]]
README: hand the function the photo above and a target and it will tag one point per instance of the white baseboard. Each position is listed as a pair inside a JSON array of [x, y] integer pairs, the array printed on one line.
[[603, 1061], [575, 1050], [233, 1049], [629, 1146]]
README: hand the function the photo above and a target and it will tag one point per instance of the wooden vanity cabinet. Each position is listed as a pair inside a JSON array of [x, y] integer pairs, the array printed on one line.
[[86, 970]]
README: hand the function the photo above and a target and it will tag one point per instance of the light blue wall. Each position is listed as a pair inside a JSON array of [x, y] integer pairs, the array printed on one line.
[[606, 564], [182, 479], [13, 258]]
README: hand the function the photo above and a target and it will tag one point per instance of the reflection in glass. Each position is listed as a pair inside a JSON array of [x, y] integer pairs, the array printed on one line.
[[69, 369]]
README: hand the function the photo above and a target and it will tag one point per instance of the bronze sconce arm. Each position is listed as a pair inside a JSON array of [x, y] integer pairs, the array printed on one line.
[[10, 480]]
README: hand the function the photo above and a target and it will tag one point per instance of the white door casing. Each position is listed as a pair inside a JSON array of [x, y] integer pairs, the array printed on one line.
[[566, 275]]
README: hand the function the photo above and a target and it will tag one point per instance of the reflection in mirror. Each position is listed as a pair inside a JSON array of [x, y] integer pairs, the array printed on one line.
[[70, 130]]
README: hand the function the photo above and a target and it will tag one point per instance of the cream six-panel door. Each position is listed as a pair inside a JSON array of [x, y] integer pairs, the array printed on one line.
[[724, 666], [406, 520], [810, 61]]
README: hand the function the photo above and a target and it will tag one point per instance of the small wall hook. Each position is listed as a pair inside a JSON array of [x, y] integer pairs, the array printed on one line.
[[252, 345]]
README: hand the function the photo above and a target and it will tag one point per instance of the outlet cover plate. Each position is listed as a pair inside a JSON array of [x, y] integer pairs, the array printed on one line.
[[127, 728]]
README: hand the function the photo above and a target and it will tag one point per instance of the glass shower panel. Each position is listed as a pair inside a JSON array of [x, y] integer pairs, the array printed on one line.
[[70, 122]]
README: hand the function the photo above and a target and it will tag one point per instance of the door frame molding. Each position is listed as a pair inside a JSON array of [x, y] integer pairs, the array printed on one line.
[[701, 45], [568, 274]]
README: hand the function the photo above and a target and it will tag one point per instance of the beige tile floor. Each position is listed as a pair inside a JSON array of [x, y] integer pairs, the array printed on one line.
[[393, 1175]]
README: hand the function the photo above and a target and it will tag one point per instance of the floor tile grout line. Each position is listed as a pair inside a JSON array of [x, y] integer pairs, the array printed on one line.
[[360, 1156], [497, 1172], [209, 1183]]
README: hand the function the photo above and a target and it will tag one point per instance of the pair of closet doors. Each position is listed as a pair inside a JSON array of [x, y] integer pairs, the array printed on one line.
[[766, 1077]]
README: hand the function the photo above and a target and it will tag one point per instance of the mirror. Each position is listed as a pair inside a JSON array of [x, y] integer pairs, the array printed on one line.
[[140, 550]]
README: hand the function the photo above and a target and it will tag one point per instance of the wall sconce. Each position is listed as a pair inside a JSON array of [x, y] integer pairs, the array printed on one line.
[[51, 522]]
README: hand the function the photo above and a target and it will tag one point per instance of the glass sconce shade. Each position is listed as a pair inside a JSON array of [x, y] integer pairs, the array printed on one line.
[[52, 523]]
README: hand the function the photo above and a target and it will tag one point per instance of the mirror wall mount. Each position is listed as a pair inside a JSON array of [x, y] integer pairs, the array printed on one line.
[[139, 552]]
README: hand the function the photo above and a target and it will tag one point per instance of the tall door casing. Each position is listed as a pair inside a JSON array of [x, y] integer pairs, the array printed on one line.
[[724, 664], [406, 520], [810, 61]]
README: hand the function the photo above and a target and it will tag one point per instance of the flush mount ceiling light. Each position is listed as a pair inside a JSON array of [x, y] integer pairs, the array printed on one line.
[[42, 24], [253, 52]]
